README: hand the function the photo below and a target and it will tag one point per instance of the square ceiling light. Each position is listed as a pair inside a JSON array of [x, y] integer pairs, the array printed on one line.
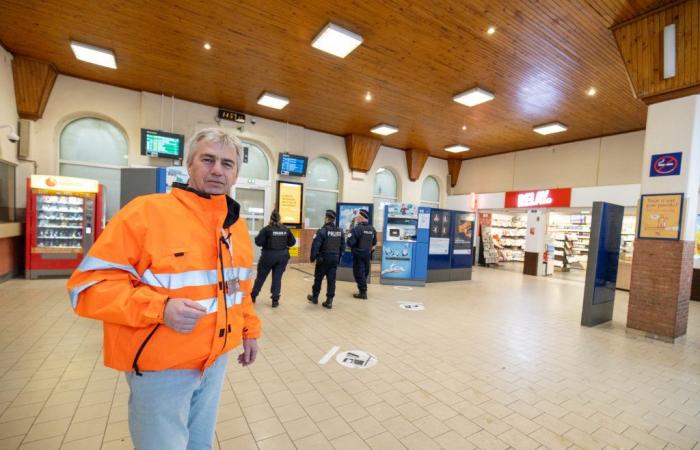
[[336, 40], [550, 128], [94, 55], [457, 148], [474, 96], [273, 100], [384, 129]]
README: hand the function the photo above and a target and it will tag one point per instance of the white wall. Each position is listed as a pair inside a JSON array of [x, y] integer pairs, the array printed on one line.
[[131, 110], [603, 161], [8, 107]]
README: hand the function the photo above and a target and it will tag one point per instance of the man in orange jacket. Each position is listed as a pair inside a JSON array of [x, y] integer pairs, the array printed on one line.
[[170, 278]]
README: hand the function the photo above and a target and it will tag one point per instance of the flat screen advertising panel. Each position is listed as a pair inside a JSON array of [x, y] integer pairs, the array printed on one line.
[[293, 165], [289, 202], [159, 144]]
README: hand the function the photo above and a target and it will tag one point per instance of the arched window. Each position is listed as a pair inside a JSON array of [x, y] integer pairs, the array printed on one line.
[[255, 163], [321, 190], [95, 148], [430, 193], [385, 191]]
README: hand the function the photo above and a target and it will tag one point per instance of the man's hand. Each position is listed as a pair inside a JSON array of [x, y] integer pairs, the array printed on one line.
[[182, 314], [250, 351]]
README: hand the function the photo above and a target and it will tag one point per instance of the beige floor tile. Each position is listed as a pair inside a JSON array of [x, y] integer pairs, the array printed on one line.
[[518, 440], [266, 428], [89, 443], [382, 411], [349, 442], [453, 441], [300, 428], [367, 427], [399, 427], [384, 441], [49, 413], [232, 428], [84, 429], [117, 431], [487, 441], [45, 430], [11, 443], [674, 438], [53, 443], [334, 427], [550, 440], [581, 423], [315, 441], [431, 426], [351, 411], [30, 410], [289, 412], [492, 424], [321, 411], [463, 426], [583, 439], [614, 439], [279, 442], [90, 412], [256, 413], [245, 442]]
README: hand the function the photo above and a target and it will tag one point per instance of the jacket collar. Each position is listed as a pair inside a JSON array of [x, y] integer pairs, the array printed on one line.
[[233, 209]]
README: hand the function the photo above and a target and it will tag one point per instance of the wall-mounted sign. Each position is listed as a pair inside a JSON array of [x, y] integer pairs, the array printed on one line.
[[289, 202], [666, 164], [227, 114], [548, 198], [54, 183], [660, 216]]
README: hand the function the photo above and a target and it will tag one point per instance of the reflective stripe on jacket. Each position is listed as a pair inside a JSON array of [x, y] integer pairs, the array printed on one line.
[[164, 246]]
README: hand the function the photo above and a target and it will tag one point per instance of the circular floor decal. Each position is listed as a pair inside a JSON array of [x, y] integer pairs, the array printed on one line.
[[412, 306], [403, 288], [356, 359]]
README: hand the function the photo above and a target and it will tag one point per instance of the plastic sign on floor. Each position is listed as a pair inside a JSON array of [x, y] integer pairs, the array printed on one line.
[[356, 359], [412, 306]]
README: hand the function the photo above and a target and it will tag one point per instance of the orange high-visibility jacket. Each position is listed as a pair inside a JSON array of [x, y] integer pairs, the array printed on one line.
[[178, 245]]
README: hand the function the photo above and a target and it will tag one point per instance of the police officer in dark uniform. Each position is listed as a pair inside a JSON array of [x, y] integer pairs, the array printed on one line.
[[275, 240], [326, 249], [362, 240]]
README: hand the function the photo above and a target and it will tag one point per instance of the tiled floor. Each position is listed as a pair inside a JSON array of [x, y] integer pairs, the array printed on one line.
[[494, 363]]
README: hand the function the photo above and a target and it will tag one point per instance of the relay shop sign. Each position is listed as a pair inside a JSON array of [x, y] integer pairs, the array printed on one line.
[[549, 198], [666, 164]]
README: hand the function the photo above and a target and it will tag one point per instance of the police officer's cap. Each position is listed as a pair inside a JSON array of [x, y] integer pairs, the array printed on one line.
[[364, 213], [330, 214]]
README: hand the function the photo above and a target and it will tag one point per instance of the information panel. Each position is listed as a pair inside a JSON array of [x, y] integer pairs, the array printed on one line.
[[289, 202]]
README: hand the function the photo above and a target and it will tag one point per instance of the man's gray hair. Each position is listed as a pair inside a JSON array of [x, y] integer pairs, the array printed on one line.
[[216, 136]]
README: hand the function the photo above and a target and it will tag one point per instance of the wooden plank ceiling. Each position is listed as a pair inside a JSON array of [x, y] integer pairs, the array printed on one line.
[[415, 57]]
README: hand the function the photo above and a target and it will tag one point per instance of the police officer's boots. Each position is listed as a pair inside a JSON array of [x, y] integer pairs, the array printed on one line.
[[328, 303], [312, 298], [275, 302], [361, 294]]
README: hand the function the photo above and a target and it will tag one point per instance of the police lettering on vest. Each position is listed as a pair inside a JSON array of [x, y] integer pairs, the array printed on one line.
[[332, 242], [278, 239]]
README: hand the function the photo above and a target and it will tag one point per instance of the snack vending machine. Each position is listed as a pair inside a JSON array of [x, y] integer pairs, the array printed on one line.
[[64, 218]]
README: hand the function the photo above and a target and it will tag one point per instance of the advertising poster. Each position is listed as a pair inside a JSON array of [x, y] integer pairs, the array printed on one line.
[[660, 216], [396, 259], [407, 210], [347, 213], [294, 251], [289, 201], [463, 235]]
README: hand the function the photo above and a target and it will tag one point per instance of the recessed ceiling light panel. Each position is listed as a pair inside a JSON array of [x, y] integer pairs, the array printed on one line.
[[474, 96], [384, 129], [336, 40], [94, 55], [457, 148], [273, 100], [550, 128]]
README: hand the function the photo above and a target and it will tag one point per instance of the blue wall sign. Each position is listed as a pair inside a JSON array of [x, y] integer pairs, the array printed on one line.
[[666, 164]]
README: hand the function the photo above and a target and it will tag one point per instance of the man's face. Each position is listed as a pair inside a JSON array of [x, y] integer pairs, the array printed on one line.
[[213, 169]]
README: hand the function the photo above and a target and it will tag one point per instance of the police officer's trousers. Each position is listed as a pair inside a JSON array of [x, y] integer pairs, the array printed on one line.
[[275, 262], [325, 266], [360, 268]]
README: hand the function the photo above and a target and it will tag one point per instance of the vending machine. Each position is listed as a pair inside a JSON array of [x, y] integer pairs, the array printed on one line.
[[64, 218], [404, 249]]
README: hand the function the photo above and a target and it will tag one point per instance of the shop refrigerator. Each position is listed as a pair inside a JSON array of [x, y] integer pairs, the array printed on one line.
[[136, 181], [64, 218]]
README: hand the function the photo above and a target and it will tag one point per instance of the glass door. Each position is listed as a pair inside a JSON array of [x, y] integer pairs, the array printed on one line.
[[59, 222], [252, 203]]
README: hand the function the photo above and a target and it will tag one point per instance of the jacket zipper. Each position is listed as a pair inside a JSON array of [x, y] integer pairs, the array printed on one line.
[[135, 364]]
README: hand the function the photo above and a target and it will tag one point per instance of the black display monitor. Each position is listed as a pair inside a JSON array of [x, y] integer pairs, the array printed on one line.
[[293, 165], [159, 144]]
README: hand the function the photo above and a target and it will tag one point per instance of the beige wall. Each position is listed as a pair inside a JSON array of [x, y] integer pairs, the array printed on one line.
[[603, 161], [8, 107], [131, 110]]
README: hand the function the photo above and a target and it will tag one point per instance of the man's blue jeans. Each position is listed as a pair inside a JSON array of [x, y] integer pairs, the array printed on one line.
[[175, 409]]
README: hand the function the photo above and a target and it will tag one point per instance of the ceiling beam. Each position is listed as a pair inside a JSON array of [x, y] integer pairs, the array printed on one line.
[[34, 80], [454, 166], [415, 161], [361, 151], [641, 45]]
